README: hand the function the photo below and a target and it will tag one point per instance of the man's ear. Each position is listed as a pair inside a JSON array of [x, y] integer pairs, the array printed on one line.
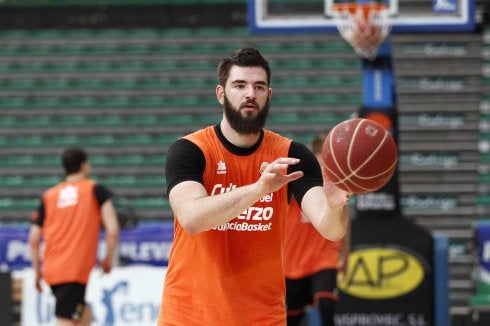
[[220, 94]]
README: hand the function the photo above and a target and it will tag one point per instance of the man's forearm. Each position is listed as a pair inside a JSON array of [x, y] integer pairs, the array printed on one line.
[[208, 212], [112, 239]]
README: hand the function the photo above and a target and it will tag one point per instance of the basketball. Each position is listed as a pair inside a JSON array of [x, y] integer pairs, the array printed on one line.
[[360, 155]]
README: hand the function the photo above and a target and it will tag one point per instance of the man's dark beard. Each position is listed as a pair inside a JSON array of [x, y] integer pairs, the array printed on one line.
[[246, 125]]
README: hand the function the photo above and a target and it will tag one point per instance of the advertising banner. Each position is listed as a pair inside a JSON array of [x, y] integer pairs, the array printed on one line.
[[481, 298], [390, 275], [14, 249], [128, 296], [148, 243], [482, 233]]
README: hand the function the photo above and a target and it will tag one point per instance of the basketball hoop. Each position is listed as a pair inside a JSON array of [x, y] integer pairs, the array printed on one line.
[[363, 25]]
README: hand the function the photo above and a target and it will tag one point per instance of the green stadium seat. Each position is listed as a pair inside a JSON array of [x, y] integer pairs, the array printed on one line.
[[167, 139], [72, 120], [484, 157], [304, 138], [186, 100], [11, 181], [143, 120], [152, 181], [101, 140], [148, 101], [128, 160], [156, 160], [124, 160], [25, 83], [286, 118], [484, 179], [46, 102], [16, 203], [483, 200], [36, 121], [178, 119], [208, 119], [55, 83], [14, 34], [132, 66], [113, 120], [135, 140], [95, 66], [156, 202], [48, 160], [6, 203], [158, 83], [17, 160], [31, 67], [28, 140], [88, 83], [325, 117], [65, 140], [100, 160], [8, 121], [116, 101], [137, 33], [119, 181], [289, 99], [44, 181], [12, 102]]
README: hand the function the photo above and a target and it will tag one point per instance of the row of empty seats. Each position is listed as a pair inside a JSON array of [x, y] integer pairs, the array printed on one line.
[[160, 82], [110, 180], [126, 94], [153, 120], [151, 65], [88, 102], [105, 160]]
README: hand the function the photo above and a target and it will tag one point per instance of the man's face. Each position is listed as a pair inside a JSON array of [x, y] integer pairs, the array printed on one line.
[[246, 99]]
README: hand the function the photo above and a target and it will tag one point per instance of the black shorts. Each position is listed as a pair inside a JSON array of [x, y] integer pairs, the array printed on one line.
[[300, 292], [70, 300]]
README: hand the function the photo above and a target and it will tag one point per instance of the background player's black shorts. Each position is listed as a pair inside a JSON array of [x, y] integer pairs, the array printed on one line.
[[70, 300], [300, 292]]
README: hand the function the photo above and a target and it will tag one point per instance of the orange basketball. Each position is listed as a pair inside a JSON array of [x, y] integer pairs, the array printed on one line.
[[360, 155]]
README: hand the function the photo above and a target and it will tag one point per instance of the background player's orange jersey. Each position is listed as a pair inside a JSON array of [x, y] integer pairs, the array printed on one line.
[[236, 267], [306, 251], [71, 211]]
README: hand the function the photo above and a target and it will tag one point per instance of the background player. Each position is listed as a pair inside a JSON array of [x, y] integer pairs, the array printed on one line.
[[69, 219], [311, 262]]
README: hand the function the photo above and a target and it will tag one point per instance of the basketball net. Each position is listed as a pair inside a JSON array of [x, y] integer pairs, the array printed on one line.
[[363, 25]]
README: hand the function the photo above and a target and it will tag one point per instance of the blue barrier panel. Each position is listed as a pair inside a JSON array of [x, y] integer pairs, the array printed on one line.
[[441, 291], [147, 243]]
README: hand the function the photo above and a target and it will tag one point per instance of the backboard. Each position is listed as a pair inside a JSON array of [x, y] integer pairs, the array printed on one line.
[[424, 16]]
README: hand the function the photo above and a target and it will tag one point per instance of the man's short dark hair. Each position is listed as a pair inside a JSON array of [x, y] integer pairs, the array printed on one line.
[[244, 57], [72, 159]]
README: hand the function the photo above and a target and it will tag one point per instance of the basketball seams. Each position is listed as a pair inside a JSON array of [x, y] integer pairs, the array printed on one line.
[[335, 161], [349, 150], [334, 158], [368, 159], [344, 177], [353, 172]]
